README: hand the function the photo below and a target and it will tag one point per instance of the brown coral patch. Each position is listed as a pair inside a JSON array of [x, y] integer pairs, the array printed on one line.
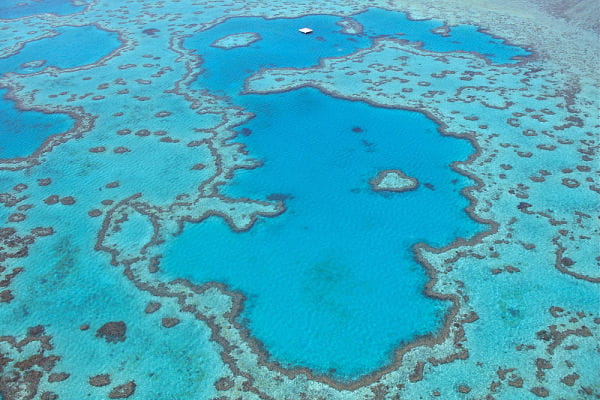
[[112, 332]]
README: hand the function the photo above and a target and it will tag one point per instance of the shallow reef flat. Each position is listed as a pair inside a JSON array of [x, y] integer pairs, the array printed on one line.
[[236, 40], [393, 180], [200, 202]]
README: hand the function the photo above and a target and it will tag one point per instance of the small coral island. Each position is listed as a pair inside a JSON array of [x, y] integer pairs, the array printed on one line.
[[350, 26], [236, 40], [393, 180]]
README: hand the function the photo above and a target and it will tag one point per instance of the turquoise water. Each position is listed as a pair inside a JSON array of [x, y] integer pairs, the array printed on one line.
[[315, 274], [22, 132], [22, 8], [331, 283], [74, 46], [281, 46], [378, 22]]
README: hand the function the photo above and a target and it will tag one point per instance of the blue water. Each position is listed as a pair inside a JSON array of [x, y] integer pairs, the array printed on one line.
[[9, 8], [378, 22], [282, 46], [332, 283], [73, 47], [22, 132]]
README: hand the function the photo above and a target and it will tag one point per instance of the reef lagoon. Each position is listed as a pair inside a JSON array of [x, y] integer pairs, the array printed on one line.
[[201, 202]]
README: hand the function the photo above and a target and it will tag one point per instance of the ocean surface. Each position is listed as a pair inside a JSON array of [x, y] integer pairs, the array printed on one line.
[[314, 275], [70, 47], [190, 206], [24, 8], [22, 132]]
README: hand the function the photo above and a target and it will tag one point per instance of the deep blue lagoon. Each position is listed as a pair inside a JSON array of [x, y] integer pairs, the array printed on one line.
[[466, 38], [280, 45], [22, 132], [73, 46], [332, 284]]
